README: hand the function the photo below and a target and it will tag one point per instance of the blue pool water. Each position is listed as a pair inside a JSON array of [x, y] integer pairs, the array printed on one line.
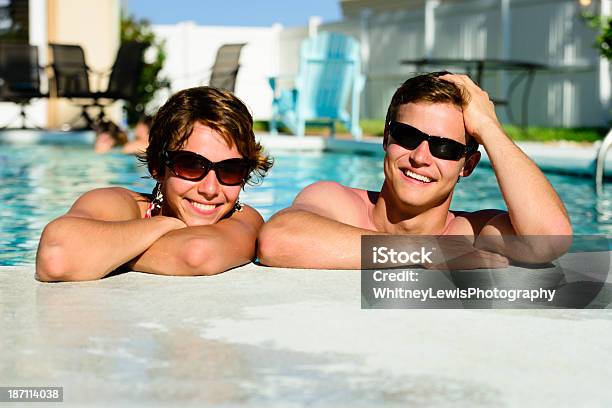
[[40, 182]]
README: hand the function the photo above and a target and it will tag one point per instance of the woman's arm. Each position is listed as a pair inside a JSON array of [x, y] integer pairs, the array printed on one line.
[[203, 250], [102, 231]]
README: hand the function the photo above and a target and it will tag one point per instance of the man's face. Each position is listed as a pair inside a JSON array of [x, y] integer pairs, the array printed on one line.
[[419, 180]]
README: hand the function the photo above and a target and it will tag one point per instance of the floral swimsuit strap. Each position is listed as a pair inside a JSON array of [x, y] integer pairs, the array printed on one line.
[[155, 205]]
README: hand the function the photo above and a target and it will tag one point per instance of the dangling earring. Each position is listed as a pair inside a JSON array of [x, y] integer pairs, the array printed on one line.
[[158, 199], [238, 205]]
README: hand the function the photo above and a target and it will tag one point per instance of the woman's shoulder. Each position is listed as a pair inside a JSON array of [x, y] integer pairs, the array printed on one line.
[[117, 193], [112, 201]]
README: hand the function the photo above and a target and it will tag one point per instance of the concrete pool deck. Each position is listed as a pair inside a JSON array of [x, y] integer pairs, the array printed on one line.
[[257, 336]]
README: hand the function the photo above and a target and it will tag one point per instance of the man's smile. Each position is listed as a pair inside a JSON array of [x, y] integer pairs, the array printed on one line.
[[417, 177]]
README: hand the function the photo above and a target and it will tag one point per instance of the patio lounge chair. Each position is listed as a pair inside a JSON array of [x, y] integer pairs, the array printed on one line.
[[329, 71], [226, 67], [71, 77], [20, 75]]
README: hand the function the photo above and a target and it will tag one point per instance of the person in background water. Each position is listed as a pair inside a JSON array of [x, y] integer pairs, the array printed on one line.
[[108, 136], [141, 136]]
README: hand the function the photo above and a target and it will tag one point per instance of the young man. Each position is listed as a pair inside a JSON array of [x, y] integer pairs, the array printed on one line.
[[323, 227]]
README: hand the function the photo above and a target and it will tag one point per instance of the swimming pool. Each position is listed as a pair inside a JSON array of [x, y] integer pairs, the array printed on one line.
[[39, 182]]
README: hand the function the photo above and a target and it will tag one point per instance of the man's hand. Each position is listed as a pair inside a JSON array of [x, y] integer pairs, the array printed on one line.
[[479, 115], [534, 208], [458, 252]]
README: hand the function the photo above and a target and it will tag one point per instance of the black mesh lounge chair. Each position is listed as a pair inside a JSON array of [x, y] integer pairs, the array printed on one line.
[[20, 76], [124, 76], [71, 76], [226, 66]]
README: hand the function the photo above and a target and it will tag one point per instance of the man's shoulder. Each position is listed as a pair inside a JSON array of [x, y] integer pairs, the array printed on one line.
[[335, 201], [333, 189]]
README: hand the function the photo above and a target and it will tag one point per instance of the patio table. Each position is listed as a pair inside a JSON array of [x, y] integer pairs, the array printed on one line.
[[475, 69]]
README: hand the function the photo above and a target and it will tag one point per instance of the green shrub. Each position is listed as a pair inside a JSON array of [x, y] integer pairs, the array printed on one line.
[[150, 80]]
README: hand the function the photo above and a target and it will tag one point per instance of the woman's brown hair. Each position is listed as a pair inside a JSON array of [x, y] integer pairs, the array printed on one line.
[[218, 109]]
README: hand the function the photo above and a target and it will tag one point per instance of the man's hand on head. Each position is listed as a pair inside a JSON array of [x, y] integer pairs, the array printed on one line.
[[479, 115]]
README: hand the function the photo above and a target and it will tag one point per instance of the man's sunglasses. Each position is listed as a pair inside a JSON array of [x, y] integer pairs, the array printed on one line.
[[410, 137], [194, 167]]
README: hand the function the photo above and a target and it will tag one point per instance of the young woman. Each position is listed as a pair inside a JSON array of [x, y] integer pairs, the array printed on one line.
[[202, 151]]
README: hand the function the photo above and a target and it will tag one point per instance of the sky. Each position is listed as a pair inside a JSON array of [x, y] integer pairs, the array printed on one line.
[[290, 13]]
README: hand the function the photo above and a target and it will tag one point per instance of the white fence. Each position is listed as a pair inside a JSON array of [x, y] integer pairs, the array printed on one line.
[[191, 51], [550, 32], [541, 31]]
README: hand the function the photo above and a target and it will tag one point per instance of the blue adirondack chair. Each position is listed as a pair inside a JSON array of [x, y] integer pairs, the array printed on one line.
[[329, 72]]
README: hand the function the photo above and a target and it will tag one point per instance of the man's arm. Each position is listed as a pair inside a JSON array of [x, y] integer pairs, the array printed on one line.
[[534, 208], [315, 232], [203, 250], [101, 232]]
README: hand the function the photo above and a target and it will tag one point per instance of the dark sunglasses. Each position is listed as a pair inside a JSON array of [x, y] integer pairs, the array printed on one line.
[[194, 167], [444, 148]]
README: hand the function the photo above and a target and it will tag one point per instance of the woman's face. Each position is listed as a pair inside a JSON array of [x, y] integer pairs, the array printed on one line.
[[206, 201]]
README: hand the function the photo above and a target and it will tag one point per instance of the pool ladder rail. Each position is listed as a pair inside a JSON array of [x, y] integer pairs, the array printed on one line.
[[601, 161]]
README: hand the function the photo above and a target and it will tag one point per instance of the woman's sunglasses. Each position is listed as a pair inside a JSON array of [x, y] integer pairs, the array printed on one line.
[[194, 167], [410, 137]]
